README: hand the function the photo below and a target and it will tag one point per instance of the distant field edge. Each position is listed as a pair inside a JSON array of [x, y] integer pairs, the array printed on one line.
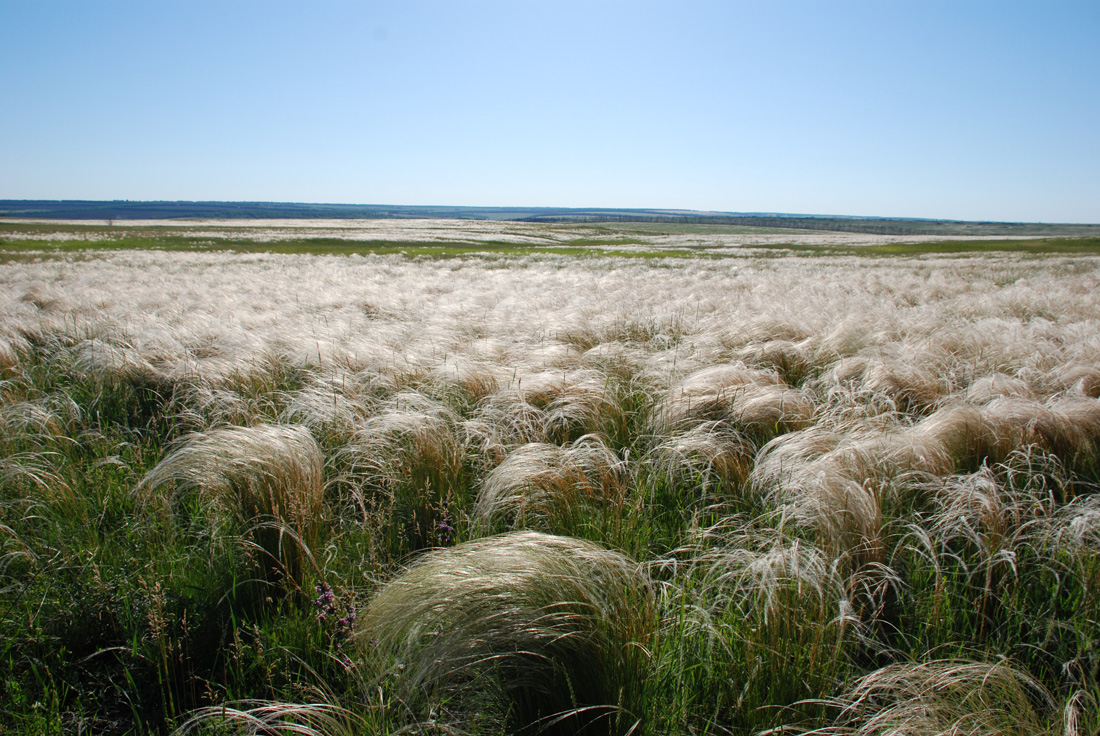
[[187, 210], [95, 239]]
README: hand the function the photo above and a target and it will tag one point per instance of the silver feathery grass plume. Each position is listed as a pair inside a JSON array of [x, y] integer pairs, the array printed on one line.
[[412, 454], [268, 477], [754, 400], [542, 483], [272, 717], [560, 627], [945, 697], [553, 406], [708, 454]]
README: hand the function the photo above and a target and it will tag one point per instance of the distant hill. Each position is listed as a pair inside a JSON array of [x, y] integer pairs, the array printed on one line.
[[129, 210]]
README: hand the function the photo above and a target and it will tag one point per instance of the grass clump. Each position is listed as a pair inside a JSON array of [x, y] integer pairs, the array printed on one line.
[[869, 502], [755, 626], [406, 469], [268, 478], [554, 488], [553, 633], [949, 697]]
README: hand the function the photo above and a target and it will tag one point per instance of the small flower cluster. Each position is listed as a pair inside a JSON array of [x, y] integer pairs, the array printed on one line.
[[444, 532], [327, 611]]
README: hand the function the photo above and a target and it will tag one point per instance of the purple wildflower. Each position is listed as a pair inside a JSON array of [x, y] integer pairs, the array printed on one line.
[[444, 532], [343, 627]]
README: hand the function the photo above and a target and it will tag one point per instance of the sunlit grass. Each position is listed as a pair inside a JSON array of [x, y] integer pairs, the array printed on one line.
[[253, 491]]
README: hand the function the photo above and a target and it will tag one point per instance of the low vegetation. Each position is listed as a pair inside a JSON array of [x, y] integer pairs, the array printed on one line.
[[525, 492]]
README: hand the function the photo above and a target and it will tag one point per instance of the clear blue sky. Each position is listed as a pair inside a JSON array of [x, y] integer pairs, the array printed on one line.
[[968, 110]]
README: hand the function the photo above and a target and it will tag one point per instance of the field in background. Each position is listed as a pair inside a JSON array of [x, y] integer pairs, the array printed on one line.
[[435, 238], [593, 478], [244, 213]]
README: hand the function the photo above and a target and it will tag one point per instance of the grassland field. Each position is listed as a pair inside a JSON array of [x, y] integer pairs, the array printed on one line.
[[444, 477]]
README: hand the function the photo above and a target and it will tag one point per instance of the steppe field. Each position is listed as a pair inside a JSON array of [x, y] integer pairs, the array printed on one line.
[[453, 477]]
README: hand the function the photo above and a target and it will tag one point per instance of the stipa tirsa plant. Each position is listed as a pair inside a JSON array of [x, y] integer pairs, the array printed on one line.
[[334, 406], [1081, 379], [620, 361], [754, 401], [1073, 534], [252, 718], [1075, 527], [981, 523], [552, 488], [948, 697], [34, 431], [753, 622], [988, 388], [839, 481], [554, 406], [708, 457], [13, 552], [1008, 549], [467, 382], [828, 483], [408, 463], [554, 630], [988, 563], [10, 346], [793, 361], [990, 514], [911, 383], [268, 478], [963, 436]]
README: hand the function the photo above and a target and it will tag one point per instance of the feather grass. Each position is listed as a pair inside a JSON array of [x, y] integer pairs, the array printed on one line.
[[268, 478], [945, 697], [558, 628], [552, 488], [410, 461]]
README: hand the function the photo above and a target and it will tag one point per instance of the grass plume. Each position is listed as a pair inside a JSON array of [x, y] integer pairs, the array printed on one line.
[[268, 478], [560, 627]]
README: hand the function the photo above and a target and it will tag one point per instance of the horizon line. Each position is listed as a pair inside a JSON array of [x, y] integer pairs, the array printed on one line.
[[534, 210]]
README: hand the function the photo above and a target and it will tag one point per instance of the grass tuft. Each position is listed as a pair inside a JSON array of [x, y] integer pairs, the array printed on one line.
[[556, 629], [945, 697], [268, 478]]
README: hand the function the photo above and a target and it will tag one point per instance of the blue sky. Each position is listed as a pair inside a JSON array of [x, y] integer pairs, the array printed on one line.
[[966, 110]]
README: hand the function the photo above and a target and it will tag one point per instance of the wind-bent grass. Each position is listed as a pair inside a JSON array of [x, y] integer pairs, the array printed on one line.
[[408, 462], [956, 697], [554, 407], [553, 488], [754, 626], [755, 401], [711, 457], [268, 478], [557, 630], [304, 719], [827, 467]]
